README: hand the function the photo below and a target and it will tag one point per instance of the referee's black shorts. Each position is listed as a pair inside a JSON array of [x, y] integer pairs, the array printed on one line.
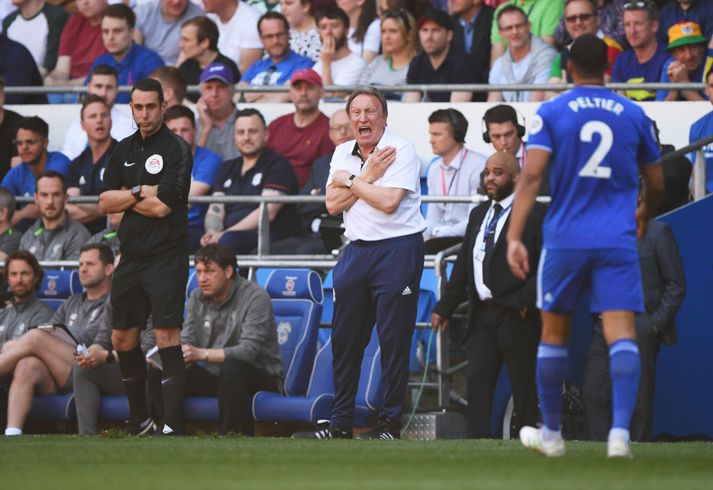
[[156, 287]]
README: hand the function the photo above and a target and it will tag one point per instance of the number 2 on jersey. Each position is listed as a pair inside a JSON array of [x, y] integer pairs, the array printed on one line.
[[593, 166]]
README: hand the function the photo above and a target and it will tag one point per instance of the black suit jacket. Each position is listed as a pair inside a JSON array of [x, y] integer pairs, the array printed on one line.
[[663, 280], [507, 289], [479, 56]]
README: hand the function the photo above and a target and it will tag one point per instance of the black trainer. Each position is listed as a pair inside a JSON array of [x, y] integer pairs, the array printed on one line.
[[384, 431], [145, 428], [322, 430]]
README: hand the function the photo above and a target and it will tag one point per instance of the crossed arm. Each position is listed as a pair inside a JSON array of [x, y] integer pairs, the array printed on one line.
[[117, 201]]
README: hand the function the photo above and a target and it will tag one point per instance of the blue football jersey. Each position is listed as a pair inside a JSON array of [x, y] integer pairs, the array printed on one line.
[[596, 139]]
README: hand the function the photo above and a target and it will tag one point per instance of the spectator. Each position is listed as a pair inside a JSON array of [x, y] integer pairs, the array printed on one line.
[[543, 17], [32, 140], [337, 64], [303, 135], [259, 171], [132, 61], [310, 241], [528, 58], [103, 82], [37, 25], [281, 62], [644, 61], [199, 48], [610, 13], [158, 25], [703, 128], [239, 39], [676, 11], [80, 44], [19, 70], [264, 6], [206, 165], [173, 84], [24, 276], [304, 34], [455, 172], [441, 61], [85, 174], [55, 235], [229, 339], [41, 362], [9, 238], [217, 111], [687, 63], [398, 40], [109, 236], [8, 131], [364, 30], [581, 17], [472, 22]]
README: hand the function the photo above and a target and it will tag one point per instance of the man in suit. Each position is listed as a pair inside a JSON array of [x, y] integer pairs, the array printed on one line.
[[664, 285], [472, 20], [504, 324]]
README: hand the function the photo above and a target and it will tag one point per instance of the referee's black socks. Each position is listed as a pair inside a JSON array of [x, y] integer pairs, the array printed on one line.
[[133, 372], [173, 386]]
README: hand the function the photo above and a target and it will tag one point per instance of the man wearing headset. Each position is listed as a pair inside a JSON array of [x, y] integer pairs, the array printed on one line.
[[454, 172]]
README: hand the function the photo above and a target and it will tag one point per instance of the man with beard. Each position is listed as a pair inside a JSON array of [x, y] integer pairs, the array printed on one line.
[[504, 322], [337, 65], [55, 235]]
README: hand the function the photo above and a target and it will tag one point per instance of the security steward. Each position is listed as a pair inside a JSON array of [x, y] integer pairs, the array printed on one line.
[[148, 178]]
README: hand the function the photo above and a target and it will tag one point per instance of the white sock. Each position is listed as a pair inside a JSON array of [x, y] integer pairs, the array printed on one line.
[[550, 435], [618, 433], [166, 429], [13, 431]]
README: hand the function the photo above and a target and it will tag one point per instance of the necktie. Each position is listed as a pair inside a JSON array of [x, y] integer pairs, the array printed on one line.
[[490, 230]]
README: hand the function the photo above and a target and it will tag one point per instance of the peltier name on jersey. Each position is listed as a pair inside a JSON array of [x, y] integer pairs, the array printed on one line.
[[595, 103]]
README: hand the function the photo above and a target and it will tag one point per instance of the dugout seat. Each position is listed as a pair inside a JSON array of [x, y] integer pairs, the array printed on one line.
[[58, 285], [53, 407]]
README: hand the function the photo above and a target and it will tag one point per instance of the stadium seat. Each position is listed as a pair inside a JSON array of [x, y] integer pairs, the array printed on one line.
[[192, 282], [53, 407], [262, 274], [58, 285], [327, 307]]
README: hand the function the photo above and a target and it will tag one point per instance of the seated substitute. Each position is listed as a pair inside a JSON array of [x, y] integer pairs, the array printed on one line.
[[454, 172], [229, 339], [9, 238], [259, 171], [55, 235], [41, 362]]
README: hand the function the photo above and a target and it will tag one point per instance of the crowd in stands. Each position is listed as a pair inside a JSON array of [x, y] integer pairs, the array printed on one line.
[[225, 45]]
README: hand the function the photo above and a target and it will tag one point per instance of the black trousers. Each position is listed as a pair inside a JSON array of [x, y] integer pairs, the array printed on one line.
[[596, 389], [236, 381], [500, 334]]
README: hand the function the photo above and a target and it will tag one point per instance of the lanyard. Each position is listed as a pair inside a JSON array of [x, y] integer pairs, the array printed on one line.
[[446, 191]]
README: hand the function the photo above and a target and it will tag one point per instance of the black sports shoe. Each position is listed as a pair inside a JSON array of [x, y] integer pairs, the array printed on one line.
[[384, 431], [146, 428], [322, 430]]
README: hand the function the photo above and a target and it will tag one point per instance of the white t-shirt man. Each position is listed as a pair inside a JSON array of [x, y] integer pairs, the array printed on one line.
[[75, 139], [240, 32], [346, 71]]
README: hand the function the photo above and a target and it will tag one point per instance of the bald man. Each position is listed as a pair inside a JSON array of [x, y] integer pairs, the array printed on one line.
[[504, 323]]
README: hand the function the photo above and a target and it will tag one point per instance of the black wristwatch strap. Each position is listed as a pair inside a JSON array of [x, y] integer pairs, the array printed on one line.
[[136, 192]]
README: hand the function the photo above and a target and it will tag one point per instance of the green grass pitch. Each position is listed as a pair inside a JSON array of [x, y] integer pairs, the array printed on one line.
[[58, 462]]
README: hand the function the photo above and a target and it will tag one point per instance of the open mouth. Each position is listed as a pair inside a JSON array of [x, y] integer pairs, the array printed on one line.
[[364, 131]]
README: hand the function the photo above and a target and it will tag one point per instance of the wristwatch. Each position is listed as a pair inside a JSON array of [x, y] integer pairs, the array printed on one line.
[[348, 183], [136, 192]]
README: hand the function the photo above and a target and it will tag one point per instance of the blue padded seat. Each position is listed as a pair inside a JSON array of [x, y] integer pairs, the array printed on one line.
[[58, 285], [53, 407]]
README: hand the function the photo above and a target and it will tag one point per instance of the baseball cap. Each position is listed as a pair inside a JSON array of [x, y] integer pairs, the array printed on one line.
[[438, 16], [306, 75], [684, 33], [217, 71]]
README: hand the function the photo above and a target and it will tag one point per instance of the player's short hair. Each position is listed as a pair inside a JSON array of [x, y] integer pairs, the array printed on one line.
[[455, 119], [250, 112], [7, 201], [91, 99], [218, 254], [652, 11], [106, 256], [105, 70], [35, 124], [334, 13], [272, 15], [52, 174], [121, 11], [368, 91], [30, 260], [179, 111], [149, 85], [173, 77], [205, 29], [589, 55], [511, 8]]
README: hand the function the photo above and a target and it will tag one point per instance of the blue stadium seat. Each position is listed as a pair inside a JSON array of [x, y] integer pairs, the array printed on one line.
[[192, 282], [58, 285], [327, 307], [53, 407], [262, 274]]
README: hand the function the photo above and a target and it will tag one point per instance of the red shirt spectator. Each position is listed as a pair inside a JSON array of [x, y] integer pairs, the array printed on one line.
[[82, 42]]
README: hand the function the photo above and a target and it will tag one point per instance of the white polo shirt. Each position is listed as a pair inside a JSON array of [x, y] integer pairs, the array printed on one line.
[[364, 222]]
